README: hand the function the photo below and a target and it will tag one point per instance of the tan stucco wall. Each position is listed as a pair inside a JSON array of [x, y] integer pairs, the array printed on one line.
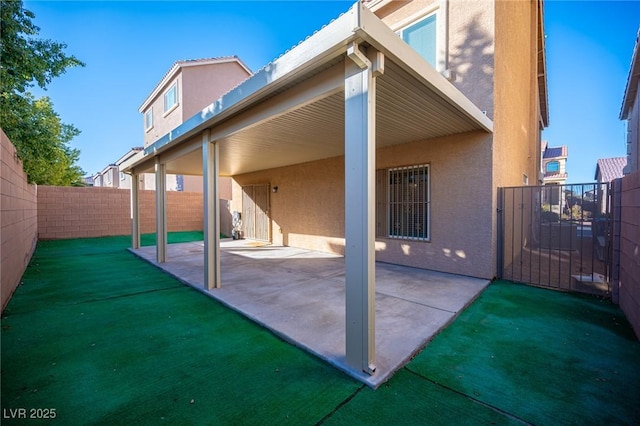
[[163, 124], [468, 37], [461, 225], [198, 87], [471, 51], [516, 128], [202, 85], [516, 145], [308, 209], [18, 219]]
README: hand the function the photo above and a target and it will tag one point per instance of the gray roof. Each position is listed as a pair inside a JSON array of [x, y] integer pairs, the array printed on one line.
[[610, 168]]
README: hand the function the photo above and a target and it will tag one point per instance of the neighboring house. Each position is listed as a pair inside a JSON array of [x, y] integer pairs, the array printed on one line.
[[97, 179], [107, 177], [383, 136], [187, 88], [124, 179], [554, 172], [608, 169], [631, 111], [554, 164], [88, 180]]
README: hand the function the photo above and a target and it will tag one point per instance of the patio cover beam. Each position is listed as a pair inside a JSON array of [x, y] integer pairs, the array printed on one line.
[[161, 211], [360, 148], [211, 185]]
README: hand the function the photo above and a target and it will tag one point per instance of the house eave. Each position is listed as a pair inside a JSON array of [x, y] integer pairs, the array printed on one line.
[[543, 93], [633, 80]]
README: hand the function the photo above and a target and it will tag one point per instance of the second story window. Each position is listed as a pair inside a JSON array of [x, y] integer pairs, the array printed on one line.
[[171, 97], [553, 167], [421, 35], [148, 119]]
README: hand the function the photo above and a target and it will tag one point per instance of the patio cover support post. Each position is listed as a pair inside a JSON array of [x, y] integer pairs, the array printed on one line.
[[360, 144], [161, 211], [211, 185], [135, 211]]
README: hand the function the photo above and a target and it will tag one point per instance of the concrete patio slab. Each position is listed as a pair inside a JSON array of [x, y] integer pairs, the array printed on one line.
[[299, 295]]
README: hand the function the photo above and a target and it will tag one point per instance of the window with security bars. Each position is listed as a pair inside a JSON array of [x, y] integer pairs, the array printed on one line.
[[402, 203]]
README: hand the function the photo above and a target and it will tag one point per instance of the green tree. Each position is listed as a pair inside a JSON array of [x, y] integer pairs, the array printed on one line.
[[40, 137]]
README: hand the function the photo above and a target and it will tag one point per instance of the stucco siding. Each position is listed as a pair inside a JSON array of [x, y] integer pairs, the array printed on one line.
[[516, 144], [163, 122], [516, 139], [471, 51], [202, 85], [461, 194], [465, 42], [308, 209]]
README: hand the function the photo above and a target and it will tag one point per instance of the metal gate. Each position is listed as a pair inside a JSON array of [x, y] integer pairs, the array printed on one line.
[[255, 212], [556, 236]]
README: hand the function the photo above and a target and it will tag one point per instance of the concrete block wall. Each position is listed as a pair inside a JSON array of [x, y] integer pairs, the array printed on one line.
[[629, 291], [69, 212], [18, 220]]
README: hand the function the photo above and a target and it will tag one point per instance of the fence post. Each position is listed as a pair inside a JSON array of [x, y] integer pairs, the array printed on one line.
[[616, 212], [500, 234]]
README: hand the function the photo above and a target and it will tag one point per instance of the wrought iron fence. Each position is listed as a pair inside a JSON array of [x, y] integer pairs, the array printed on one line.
[[556, 236]]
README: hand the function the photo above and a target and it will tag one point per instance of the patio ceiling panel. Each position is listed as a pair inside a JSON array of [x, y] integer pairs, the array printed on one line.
[[408, 111], [312, 132]]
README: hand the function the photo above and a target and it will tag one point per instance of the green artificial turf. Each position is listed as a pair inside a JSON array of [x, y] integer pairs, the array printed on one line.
[[408, 399], [57, 271], [120, 342], [103, 337], [546, 357]]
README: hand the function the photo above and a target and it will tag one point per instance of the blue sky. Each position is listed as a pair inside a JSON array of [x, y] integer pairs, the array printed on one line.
[[128, 46]]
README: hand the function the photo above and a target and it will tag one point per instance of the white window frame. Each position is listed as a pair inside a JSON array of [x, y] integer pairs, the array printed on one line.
[[426, 201], [441, 30], [122, 176], [169, 108], [148, 120]]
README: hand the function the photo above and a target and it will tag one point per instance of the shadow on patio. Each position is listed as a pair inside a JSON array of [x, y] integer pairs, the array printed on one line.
[[101, 337]]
